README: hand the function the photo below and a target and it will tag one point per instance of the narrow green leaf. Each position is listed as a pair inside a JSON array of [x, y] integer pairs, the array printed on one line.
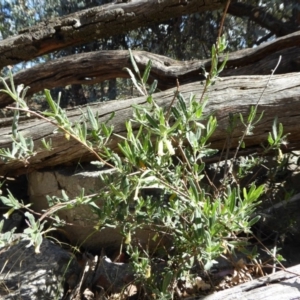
[[105, 130], [24, 92], [181, 102], [270, 139], [253, 221], [149, 100], [112, 115], [134, 81], [162, 120], [7, 89], [175, 112], [64, 195], [151, 121], [274, 128], [30, 218], [259, 118], [92, 119], [245, 194], [135, 67], [252, 114], [12, 84], [147, 72], [221, 68], [242, 119], [232, 203], [193, 189], [51, 103], [153, 87], [213, 52], [129, 130], [280, 133], [167, 279]]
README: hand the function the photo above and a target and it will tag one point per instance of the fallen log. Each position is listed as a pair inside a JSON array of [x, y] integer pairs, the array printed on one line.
[[282, 285], [92, 24], [279, 97], [94, 67]]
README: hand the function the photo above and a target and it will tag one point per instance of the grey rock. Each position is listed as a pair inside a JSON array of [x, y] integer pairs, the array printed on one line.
[[25, 274], [82, 232]]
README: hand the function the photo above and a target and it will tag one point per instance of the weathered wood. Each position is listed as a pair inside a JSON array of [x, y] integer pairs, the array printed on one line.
[[94, 67], [278, 286], [230, 95], [94, 23]]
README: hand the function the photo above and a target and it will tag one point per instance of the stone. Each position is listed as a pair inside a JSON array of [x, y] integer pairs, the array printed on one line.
[[81, 229], [27, 275]]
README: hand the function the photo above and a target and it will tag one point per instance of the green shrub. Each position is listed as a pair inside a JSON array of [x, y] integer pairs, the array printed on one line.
[[166, 155]]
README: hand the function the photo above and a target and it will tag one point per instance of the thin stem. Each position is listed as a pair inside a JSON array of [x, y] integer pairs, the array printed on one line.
[[190, 168], [223, 19], [252, 119], [209, 76], [65, 131], [173, 100]]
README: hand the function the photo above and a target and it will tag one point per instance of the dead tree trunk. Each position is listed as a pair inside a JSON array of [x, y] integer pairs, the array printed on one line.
[[95, 67], [92, 24], [280, 97]]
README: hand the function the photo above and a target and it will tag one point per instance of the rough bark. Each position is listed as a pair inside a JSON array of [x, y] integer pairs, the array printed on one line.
[[92, 24], [94, 67], [229, 95]]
